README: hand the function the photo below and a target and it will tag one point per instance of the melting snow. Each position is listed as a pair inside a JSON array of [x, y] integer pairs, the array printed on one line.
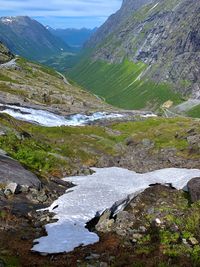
[[93, 194], [49, 119]]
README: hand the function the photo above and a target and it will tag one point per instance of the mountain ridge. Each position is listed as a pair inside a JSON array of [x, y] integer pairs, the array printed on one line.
[[28, 38]]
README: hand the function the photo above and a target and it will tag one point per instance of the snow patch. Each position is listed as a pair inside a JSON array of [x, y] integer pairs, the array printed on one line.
[[95, 193]]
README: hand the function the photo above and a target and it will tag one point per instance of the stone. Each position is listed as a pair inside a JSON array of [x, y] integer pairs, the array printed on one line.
[[194, 189], [14, 188], [193, 241], [103, 264], [12, 171], [194, 140], [2, 263], [93, 256], [147, 143], [137, 236]]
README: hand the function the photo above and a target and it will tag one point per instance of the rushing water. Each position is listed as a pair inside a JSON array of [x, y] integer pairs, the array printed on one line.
[[49, 119]]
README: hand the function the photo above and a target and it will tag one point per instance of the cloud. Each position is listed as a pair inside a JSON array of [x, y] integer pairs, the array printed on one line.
[[60, 8]]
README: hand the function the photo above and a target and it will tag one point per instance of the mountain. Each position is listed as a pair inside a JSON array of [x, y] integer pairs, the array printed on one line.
[[73, 37], [145, 54], [28, 38]]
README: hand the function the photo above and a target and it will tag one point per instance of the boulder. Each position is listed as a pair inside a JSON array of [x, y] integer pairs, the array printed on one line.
[[194, 189], [11, 171]]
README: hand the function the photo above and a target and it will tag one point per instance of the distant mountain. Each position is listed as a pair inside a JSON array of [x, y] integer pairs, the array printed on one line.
[[73, 37], [145, 55], [28, 38]]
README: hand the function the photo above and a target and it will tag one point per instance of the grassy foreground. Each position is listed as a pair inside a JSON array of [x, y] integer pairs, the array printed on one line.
[[58, 151]]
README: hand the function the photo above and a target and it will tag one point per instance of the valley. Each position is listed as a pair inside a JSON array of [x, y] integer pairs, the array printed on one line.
[[99, 146]]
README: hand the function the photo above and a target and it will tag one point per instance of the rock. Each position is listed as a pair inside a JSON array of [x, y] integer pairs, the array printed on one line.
[[147, 143], [142, 229], [93, 256], [194, 189], [193, 241], [2, 263], [13, 188], [11, 171], [105, 222], [103, 264], [194, 141], [137, 236], [24, 189]]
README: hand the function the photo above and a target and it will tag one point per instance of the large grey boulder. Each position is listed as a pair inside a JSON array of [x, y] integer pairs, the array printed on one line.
[[194, 189], [11, 171]]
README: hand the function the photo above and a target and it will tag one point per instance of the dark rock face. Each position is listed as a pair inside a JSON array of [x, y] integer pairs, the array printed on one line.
[[13, 172], [5, 54], [194, 189]]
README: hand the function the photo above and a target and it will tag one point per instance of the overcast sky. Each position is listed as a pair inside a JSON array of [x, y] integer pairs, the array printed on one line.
[[62, 13]]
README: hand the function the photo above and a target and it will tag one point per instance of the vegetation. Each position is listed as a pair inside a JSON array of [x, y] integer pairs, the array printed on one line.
[[122, 84], [58, 150], [194, 112]]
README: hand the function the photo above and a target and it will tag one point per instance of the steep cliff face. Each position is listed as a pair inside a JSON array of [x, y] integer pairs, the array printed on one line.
[[114, 21], [164, 35]]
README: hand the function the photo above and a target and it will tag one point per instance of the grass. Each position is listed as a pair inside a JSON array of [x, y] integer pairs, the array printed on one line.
[[58, 150], [120, 84], [194, 112]]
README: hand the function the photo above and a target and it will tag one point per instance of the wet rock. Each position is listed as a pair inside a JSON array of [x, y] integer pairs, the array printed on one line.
[[194, 189]]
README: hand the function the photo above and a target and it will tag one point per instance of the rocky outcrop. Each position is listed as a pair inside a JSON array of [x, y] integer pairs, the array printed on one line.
[[11, 171], [5, 54], [194, 189]]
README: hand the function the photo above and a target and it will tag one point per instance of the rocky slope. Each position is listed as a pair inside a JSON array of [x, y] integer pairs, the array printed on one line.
[[28, 38], [5, 54], [31, 84], [160, 39]]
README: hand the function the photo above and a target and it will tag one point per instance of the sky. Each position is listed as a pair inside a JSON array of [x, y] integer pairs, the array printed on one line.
[[62, 13]]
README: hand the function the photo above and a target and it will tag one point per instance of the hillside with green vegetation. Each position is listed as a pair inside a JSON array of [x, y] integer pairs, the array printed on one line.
[[28, 83], [122, 85], [194, 112]]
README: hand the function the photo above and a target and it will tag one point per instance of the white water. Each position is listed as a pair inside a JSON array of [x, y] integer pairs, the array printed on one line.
[[49, 119], [93, 194]]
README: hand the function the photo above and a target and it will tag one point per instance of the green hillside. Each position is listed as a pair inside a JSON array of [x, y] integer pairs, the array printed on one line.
[[194, 112], [121, 84]]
